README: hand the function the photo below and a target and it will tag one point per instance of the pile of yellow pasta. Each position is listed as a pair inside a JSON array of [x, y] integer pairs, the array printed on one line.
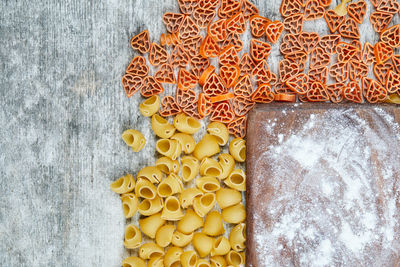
[[176, 216]]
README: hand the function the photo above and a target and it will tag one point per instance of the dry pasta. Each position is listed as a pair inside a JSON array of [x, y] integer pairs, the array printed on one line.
[[150, 225], [190, 222], [169, 148], [208, 184], [173, 257], [123, 185], [227, 197], [213, 225], [203, 204], [203, 263], [234, 214], [151, 206], [150, 106], [134, 139], [236, 180], [130, 204], [156, 262], [145, 189], [220, 131], [180, 239], [170, 186], [221, 246], [227, 163], [188, 195], [164, 235], [218, 261], [237, 237], [133, 237], [172, 209], [151, 173], [161, 127], [202, 244], [207, 147], [210, 167], [237, 148], [189, 259], [234, 258], [186, 141], [133, 262], [149, 250], [190, 168], [186, 124], [167, 165]]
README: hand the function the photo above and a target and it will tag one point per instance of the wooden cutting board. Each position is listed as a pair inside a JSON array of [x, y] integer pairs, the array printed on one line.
[[323, 185]]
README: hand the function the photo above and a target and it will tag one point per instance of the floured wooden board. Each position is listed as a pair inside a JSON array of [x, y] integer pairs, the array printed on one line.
[[323, 185]]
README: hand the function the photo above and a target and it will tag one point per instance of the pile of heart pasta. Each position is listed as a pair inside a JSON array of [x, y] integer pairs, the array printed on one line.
[[194, 189]]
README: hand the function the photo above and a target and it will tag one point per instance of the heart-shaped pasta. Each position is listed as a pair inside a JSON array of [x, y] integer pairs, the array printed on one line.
[[124, 184]]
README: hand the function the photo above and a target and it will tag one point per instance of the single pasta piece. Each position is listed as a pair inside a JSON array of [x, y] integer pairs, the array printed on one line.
[[237, 237], [167, 165], [133, 237], [213, 225], [190, 168], [161, 127], [210, 167], [186, 141], [203, 204], [150, 225], [151, 173], [221, 246], [203, 263], [227, 197], [218, 261], [189, 259], [149, 250], [208, 184], [237, 148], [164, 235], [169, 148], [134, 139], [186, 124], [145, 189], [234, 258], [150, 106], [190, 222], [170, 186], [172, 209], [123, 185], [234, 214], [133, 262], [236, 180], [156, 262], [188, 195], [173, 257], [227, 163], [151, 206], [220, 131], [180, 239], [207, 147], [202, 244], [130, 204]]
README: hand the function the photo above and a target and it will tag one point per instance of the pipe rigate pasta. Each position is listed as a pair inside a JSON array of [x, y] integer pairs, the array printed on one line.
[[170, 186], [173, 257], [203, 204], [208, 184], [151, 206], [189, 259], [134, 139], [167, 165], [164, 235], [190, 222], [227, 163], [180, 239], [188, 195], [161, 127], [186, 141], [151, 173], [221, 246], [210, 167], [169, 148], [130, 204], [133, 262], [150, 106], [227, 197], [217, 261], [145, 189], [220, 131], [213, 225], [123, 185], [207, 147], [237, 148], [234, 258], [236, 180], [186, 124], [172, 209], [150, 225], [234, 214], [149, 250], [237, 237], [133, 237], [156, 262], [202, 244], [203, 263], [190, 168]]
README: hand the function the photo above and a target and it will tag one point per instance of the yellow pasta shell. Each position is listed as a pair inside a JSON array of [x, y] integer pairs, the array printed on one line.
[[151, 206], [227, 163], [149, 250], [227, 197], [234, 258], [169, 148], [186, 141], [130, 204], [218, 261], [203, 204], [186, 124], [208, 184], [164, 235], [145, 189], [133, 262], [180, 239], [150, 106], [189, 259], [202, 244], [210, 167], [203, 263], [213, 225], [188, 195], [237, 237], [220, 131], [237, 148], [134, 139], [221, 246], [236, 180], [124, 184], [167, 165], [190, 222], [190, 168], [151, 173], [172, 209], [173, 257], [207, 147], [133, 237], [234, 214], [156, 262], [161, 127], [150, 225]]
